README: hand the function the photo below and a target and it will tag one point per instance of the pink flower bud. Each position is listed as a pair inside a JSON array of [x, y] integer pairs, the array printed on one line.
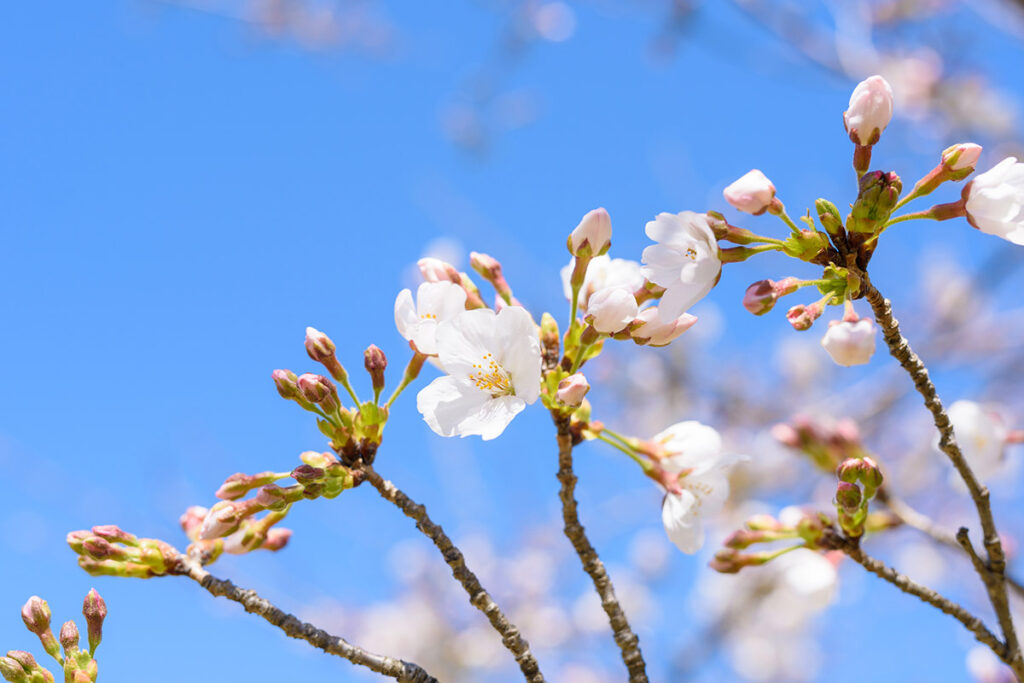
[[648, 328], [318, 345], [316, 388], [752, 193], [436, 270], [36, 615], [850, 343], [848, 496], [221, 520], [94, 609], [760, 297], [276, 539], [68, 636], [962, 156], [286, 383], [802, 317], [594, 233], [572, 389], [191, 521], [375, 362], [611, 309], [870, 111]]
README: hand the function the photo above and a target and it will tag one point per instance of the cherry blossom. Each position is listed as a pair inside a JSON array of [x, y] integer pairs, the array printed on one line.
[[981, 434], [995, 201], [870, 110], [752, 193], [594, 232], [435, 302], [685, 261], [602, 272], [611, 309], [850, 342], [493, 365]]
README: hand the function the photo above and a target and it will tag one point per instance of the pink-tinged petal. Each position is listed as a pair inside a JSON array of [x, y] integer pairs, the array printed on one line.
[[519, 353]]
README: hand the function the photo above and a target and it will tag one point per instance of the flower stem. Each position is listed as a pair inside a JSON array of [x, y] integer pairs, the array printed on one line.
[[645, 465], [578, 361], [908, 217], [412, 371]]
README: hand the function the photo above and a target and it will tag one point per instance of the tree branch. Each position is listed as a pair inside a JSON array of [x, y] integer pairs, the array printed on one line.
[[973, 624], [592, 565], [404, 672], [478, 596], [994, 575]]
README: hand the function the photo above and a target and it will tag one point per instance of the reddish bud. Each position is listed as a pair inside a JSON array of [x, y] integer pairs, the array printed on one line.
[[375, 362], [69, 636], [286, 383], [36, 615], [318, 345], [94, 609]]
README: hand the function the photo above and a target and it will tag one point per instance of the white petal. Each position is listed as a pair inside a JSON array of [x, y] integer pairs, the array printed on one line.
[[681, 524], [694, 446], [465, 339], [519, 353], [406, 319], [445, 403]]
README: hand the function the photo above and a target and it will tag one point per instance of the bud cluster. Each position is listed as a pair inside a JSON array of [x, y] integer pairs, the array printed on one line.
[[827, 443], [808, 528], [859, 480], [108, 550], [78, 665]]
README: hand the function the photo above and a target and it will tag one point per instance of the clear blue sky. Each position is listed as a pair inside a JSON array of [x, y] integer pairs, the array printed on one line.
[[178, 201]]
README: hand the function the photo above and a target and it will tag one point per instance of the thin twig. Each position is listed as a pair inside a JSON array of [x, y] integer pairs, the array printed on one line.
[[404, 672], [926, 525], [626, 639], [972, 623], [478, 596], [995, 567]]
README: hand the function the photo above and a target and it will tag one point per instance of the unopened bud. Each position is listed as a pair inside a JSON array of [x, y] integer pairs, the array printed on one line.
[[961, 157], [752, 193], [611, 309], [69, 636], [12, 671], [648, 327], [801, 317], [848, 496], [191, 521], [849, 470], [318, 345], [572, 389], [316, 388], [760, 297], [870, 111], [94, 609], [36, 615], [593, 236], [286, 383], [307, 474], [436, 270], [115, 534], [375, 362], [276, 539], [829, 216], [878, 196], [549, 336]]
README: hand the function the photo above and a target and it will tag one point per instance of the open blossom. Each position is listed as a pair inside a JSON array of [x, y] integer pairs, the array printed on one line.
[[694, 455], [594, 231], [995, 201], [870, 110], [603, 271], [850, 343], [982, 435], [493, 365], [650, 329], [435, 303], [611, 309], [752, 193], [685, 261]]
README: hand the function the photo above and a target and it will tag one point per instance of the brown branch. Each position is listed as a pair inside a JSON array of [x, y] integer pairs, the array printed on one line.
[[995, 568], [478, 596], [624, 636], [405, 672], [923, 523], [852, 549]]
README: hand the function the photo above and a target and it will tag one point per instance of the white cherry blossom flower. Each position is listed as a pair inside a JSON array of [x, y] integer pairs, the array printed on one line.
[[603, 271], [850, 343], [995, 201], [493, 365], [611, 309], [870, 110], [981, 434], [695, 457], [685, 261], [435, 302]]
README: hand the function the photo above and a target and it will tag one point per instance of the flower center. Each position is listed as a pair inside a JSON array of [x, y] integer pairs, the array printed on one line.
[[428, 316], [691, 253], [699, 489], [488, 376]]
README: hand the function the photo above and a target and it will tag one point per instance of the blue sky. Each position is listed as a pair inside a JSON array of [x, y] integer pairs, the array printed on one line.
[[179, 200]]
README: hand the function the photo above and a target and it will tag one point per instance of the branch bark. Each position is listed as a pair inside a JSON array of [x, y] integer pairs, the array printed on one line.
[[972, 623], [626, 639], [993, 571], [478, 596], [404, 672]]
